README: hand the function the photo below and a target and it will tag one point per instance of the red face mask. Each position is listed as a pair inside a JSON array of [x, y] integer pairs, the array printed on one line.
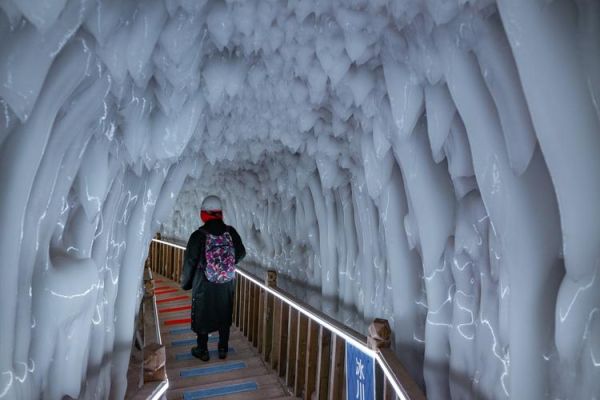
[[210, 215]]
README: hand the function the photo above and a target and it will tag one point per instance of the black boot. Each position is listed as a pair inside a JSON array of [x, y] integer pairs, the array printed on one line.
[[201, 354], [223, 342], [201, 351]]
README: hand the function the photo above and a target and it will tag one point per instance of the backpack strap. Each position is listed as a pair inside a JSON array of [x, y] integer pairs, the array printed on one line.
[[202, 244]]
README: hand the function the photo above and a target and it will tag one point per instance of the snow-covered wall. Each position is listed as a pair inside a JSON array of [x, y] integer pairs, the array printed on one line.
[[434, 162]]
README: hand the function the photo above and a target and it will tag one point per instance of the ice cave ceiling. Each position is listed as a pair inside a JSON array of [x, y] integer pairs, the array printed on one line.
[[433, 162]]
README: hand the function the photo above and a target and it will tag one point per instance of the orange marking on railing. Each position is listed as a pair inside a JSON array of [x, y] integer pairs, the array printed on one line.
[[169, 299], [175, 309], [178, 321]]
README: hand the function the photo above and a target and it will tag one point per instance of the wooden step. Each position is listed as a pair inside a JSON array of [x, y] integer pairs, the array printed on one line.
[[242, 375]]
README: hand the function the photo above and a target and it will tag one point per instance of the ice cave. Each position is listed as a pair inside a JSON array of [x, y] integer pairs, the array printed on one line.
[[433, 162]]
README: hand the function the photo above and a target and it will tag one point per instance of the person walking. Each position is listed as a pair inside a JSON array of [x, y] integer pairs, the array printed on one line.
[[209, 270]]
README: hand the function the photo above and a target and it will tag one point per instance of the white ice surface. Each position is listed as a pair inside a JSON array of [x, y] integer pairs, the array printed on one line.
[[432, 162]]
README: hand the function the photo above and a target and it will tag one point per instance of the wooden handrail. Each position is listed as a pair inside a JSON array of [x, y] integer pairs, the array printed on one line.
[[150, 312], [152, 348], [285, 330], [332, 324]]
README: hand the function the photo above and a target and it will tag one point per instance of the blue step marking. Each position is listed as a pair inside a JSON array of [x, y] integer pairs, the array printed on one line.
[[216, 369], [178, 331], [187, 342], [189, 356], [220, 391]]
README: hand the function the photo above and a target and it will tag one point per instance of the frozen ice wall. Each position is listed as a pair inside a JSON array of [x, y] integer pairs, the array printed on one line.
[[434, 162]]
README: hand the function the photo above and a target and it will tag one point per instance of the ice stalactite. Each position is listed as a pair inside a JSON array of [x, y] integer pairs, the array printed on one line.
[[566, 81], [527, 225], [430, 162], [67, 184], [21, 156], [405, 273]]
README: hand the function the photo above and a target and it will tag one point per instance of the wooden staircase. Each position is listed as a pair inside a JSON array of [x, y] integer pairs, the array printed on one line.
[[281, 345], [242, 375]]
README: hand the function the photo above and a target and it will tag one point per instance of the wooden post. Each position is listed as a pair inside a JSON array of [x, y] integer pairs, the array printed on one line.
[[379, 338], [301, 354], [161, 266], [291, 348], [239, 285], [174, 254], [271, 281], [248, 307], [251, 321], [252, 316], [165, 267], [261, 326], [276, 334], [173, 265], [152, 256], [178, 257], [283, 340], [162, 259], [181, 259], [157, 254], [312, 350], [379, 334], [236, 298], [169, 262], [338, 365], [238, 292], [323, 363], [256, 316], [280, 337], [388, 390], [245, 307], [159, 258]]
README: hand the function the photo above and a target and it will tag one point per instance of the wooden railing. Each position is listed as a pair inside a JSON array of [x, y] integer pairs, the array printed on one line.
[[305, 347], [152, 381], [165, 258]]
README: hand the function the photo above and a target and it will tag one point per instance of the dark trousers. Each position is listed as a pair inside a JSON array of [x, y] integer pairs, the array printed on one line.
[[223, 339]]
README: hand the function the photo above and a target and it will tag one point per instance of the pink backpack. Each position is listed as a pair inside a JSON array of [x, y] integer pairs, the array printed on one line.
[[220, 258]]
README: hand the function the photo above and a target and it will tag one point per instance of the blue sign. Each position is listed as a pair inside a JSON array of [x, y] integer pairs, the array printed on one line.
[[360, 374]]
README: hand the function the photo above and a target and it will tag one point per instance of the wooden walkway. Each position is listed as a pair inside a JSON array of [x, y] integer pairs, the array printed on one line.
[[242, 375]]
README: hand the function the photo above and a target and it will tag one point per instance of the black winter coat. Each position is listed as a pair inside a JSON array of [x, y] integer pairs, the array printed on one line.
[[212, 303]]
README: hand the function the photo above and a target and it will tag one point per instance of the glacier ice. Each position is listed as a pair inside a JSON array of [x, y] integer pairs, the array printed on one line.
[[432, 162]]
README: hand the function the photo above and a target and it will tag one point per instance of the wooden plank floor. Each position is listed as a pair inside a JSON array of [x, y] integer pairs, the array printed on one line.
[[242, 375]]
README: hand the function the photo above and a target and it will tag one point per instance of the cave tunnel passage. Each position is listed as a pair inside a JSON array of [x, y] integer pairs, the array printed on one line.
[[433, 162]]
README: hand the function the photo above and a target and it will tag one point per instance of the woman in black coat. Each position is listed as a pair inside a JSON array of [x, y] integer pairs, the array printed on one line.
[[212, 303]]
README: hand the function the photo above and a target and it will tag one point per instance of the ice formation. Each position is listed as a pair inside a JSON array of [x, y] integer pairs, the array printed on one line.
[[433, 162]]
